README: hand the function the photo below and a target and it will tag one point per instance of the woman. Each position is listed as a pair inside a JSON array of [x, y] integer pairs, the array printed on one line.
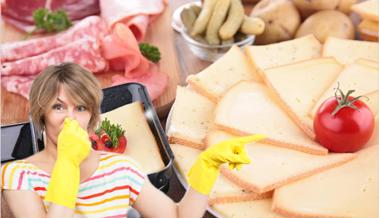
[[69, 179]]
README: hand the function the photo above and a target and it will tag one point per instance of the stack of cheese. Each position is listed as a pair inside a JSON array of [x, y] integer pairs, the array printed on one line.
[[369, 26], [274, 90]]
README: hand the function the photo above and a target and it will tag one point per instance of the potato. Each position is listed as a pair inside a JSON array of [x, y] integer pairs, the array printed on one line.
[[327, 23], [345, 5], [308, 7], [281, 20]]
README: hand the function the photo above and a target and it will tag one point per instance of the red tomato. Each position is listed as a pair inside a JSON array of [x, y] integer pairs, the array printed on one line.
[[348, 130]]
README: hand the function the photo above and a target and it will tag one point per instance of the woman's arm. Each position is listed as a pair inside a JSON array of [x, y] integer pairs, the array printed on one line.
[[151, 202], [29, 204]]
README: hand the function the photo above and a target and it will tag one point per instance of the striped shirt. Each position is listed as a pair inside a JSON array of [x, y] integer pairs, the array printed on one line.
[[109, 192]]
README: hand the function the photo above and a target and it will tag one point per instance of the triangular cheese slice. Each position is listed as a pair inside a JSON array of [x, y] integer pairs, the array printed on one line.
[[141, 142], [272, 166], [368, 62], [191, 116], [298, 86], [367, 9], [231, 68], [276, 54], [347, 51], [223, 190], [249, 108], [361, 78], [249, 209], [350, 190]]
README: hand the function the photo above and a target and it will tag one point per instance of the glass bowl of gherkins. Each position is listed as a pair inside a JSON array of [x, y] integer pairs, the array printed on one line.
[[212, 28]]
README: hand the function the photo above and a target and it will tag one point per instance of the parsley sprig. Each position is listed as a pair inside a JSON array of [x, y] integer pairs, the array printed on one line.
[[113, 131], [51, 21], [150, 52]]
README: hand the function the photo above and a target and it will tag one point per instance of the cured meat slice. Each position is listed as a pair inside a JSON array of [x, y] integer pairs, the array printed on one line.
[[135, 14], [92, 26], [18, 84], [85, 52], [19, 13]]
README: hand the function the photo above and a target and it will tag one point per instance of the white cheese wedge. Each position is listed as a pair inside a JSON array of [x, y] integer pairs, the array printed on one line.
[[231, 68], [291, 51], [298, 86], [249, 108], [347, 51], [350, 190], [361, 78], [272, 167], [141, 144], [191, 116]]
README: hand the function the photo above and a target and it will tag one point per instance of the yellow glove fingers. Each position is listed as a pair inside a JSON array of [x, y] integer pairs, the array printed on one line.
[[248, 139]]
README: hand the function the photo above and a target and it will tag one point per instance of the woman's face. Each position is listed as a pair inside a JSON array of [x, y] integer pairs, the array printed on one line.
[[60, 108]]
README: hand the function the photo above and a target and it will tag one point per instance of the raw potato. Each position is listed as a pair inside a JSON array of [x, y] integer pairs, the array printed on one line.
[[218, 16], [252, 26], [204, 17], [327, 23], [281, 20], [308, 7], [233, 22], [345, 5]]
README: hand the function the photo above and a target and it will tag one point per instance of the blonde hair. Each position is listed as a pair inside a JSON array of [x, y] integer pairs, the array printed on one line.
[[80, 84]]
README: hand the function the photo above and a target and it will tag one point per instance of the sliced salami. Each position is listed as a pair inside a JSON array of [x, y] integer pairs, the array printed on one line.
[[92, 26], [85, 52], [18, 84]]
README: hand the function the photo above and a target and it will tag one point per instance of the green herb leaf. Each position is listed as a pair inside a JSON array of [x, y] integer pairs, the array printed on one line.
[[151, 52], [51, 21], [113, 131]]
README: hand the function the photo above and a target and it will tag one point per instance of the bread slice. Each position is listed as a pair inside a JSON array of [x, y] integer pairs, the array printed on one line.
[[141, 141], [347, 51], [249, 108], [350, 190], [361, 78], [223, 190], [191, 116], [298, 86], [249, 209], [276, 54], [272, 166], [367, 9], [231, 68]]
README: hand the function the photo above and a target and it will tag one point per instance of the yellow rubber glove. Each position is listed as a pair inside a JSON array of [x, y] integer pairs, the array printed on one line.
[[73, 147], [205, 170]]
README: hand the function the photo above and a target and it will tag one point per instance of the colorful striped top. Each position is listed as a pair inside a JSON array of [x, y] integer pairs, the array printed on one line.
[[109, 192]]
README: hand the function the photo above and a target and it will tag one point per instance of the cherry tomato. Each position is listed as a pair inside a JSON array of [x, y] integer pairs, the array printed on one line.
[[348, 129]]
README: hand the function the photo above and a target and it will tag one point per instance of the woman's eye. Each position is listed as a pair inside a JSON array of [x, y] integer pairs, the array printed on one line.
[[58, 107], [81, 108]]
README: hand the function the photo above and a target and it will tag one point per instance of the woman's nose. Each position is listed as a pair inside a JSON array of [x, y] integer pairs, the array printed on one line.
[[71, 114]]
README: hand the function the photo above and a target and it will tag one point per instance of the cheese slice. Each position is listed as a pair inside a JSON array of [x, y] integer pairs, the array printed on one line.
[[141, 142], [231, 68], [223, 190], [191, 116], [282, 53], [272, 167], [249, 209], [361, 78], [347, 51], [249, 108], [298, 86], [367, 9], [369, 29], [350, 190], [370, 63]]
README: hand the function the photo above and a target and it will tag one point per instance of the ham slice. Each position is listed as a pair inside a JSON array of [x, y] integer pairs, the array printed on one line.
[[122, 51], [135, 14], [92, 26], [18, 13], [85, 52]]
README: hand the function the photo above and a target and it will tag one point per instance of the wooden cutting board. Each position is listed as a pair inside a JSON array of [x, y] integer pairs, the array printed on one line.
[[15, 109]]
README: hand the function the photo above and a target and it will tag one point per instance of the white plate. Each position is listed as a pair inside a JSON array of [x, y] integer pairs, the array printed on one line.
[[182, 180], [176, 22]]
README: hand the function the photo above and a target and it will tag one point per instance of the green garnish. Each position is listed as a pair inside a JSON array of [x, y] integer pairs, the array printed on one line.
[[51, 21], [113, 131], [150, 52]]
